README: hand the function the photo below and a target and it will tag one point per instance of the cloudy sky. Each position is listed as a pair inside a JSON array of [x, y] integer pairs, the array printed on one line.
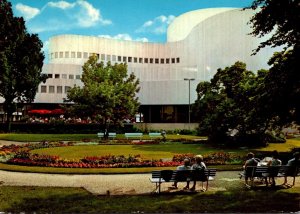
[[139, 20]]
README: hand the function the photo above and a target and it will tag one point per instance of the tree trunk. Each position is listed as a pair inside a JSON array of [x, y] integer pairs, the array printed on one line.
[[9, 108], [8, 121], [106, 128]]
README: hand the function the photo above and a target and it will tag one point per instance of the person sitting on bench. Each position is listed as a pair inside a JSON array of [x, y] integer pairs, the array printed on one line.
[[273, 162], [200, 166], [185, 166], [293, 162], [251, 161]]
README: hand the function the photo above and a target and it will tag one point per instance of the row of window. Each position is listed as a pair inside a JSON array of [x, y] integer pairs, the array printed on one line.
[[114, 58], [51, 89], [64, 76]]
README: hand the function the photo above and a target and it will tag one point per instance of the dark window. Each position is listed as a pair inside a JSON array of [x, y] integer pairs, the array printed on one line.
[[151, 60], [59, 89], [56, 76], [129, 59], [43, 89], [67, 88], [50, 75], [156, 61], [140, 60], [146, 60], [173, 60], [167, 60], [51, 89], [177, 60], [162, 61]]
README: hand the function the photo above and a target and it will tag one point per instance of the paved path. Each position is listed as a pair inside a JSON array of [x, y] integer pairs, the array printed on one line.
[[5, 142], [99, 184]]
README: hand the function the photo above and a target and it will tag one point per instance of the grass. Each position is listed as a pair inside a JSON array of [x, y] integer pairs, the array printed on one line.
[[76, 137], [148, 152], [45, 137], [282, 147], [77, 200]]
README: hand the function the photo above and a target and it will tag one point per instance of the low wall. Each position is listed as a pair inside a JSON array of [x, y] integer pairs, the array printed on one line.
[[165, 126]]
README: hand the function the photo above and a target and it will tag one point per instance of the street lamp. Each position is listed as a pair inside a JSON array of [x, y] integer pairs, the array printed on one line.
[[189, 79]]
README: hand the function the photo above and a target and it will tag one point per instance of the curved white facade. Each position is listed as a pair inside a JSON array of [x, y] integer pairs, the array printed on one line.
[[199, 42]]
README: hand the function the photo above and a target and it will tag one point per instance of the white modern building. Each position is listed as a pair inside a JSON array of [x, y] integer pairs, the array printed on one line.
[[198, 43]]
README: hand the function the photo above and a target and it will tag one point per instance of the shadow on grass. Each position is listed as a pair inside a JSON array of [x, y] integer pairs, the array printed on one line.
[[73, 200]]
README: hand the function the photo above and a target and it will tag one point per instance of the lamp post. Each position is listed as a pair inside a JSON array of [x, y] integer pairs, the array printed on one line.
[[189, 79]]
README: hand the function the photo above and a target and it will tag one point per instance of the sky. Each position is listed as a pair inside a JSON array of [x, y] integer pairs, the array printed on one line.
[[136, 20]]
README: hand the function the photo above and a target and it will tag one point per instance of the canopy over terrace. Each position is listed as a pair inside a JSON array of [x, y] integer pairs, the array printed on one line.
[[46, 111]]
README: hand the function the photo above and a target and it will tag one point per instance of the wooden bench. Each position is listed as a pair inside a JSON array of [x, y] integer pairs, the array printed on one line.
[[163, 176], [154, 134], [134, 135], [110, 135], [263, 172]]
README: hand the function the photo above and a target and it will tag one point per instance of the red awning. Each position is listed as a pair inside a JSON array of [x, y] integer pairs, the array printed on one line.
[[57, 111], [39, 111]]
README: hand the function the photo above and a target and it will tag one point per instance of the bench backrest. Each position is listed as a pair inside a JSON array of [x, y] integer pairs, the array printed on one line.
[[184, 175], [289, 170], [100, 134], [110, 134], [162, 174], [133, 134], [257, 171], [155, 134], [181, 175]]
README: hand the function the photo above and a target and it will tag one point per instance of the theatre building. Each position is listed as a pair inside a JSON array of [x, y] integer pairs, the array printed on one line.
[[198, 43]]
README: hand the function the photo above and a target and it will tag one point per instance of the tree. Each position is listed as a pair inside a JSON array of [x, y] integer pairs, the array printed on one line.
[[226, 106], [281, 89], [108, 94], [281, 18], [281, 95], [21, 61]]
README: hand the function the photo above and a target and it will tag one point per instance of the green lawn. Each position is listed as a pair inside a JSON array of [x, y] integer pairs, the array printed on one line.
[[75, 200], [148, 152], [282, 147], [76, 137]]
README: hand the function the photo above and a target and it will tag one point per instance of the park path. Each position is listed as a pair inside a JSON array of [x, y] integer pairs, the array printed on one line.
[[116, 184], [7, 143]]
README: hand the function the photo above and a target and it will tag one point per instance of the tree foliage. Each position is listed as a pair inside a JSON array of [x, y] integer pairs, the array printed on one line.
[[281, 95], [245, 107], [226, 107], [108, 94], [282, 88], [281, 18], [21, 60]]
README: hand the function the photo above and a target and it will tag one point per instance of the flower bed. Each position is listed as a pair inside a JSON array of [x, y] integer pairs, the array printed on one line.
[[20, 155], [217, 158]]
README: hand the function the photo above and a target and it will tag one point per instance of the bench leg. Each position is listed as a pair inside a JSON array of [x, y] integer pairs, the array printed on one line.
[[294, 181], [206, 185], [157, 188]]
